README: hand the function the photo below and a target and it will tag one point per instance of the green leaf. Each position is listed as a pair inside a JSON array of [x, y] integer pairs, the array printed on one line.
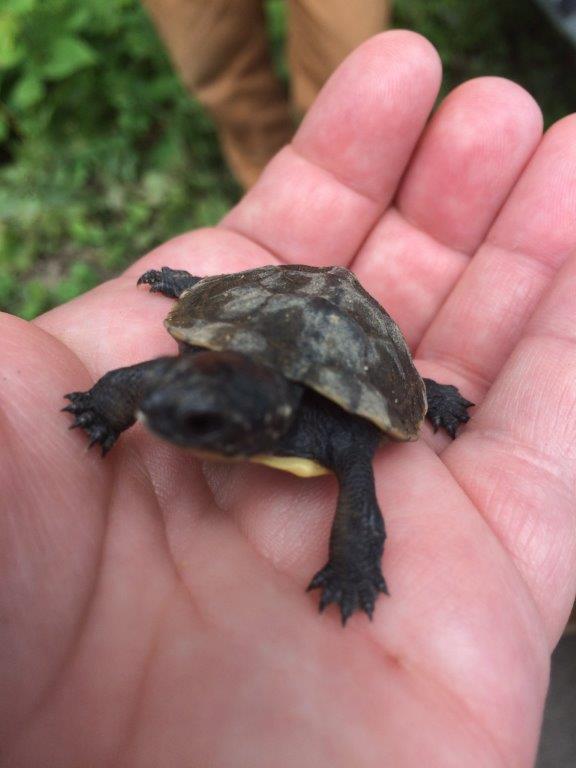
[[68, 55], [8, 285], [20, 7], [28, 91], [81, 278], [4, 129], [36, 299], [11, 52]]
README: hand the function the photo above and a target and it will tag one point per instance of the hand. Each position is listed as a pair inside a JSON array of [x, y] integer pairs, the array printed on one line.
[[153, 608]]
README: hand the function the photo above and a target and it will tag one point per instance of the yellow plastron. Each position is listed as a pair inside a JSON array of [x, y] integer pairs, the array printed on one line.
[[293, 464], [296, 465]]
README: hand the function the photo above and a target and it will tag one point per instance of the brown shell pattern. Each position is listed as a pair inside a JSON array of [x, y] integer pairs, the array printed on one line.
[[320, 328]]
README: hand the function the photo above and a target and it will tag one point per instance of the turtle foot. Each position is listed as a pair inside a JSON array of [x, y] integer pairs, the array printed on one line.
[[351, 591], [446, 407], [169, 282], [86, 415]]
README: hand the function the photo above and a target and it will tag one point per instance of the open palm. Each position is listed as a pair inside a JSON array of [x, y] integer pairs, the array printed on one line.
[[153, 607]]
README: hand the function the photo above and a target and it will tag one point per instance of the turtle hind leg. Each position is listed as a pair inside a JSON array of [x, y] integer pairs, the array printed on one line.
[[169, 282], [446, 406]]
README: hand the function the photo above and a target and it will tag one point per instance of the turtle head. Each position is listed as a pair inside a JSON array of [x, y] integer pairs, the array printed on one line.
[[221, 403]]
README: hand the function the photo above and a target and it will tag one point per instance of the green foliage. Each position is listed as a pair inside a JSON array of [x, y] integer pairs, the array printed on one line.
[[508, 38], [103, 155], [276, 20]]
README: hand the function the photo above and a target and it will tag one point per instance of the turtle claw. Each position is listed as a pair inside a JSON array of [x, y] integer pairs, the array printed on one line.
[[87, 416], [351, 592], [154, 279]]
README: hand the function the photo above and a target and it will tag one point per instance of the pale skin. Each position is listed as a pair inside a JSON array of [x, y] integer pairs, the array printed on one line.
[[153, 607]]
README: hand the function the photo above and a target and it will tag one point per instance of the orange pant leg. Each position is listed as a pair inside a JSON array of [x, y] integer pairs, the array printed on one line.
[[321, 34], [220, 50]]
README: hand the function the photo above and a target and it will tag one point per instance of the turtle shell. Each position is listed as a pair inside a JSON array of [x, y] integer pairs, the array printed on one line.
[[320, 328]]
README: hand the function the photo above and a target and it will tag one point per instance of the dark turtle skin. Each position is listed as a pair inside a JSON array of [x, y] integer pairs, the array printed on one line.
[[294, 366]]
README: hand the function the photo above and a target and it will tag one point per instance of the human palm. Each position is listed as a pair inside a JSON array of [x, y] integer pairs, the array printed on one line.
[[153, 606]]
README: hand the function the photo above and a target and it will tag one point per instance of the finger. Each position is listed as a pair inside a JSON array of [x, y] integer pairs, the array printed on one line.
[[72, 526], [482, 320], [517, 458], [319, 198], [469, 159], [51, 522]]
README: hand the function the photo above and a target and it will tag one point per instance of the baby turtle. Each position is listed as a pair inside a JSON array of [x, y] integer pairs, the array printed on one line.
[[295, 367]]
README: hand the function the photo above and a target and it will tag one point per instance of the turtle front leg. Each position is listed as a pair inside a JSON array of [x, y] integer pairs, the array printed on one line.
[[344, 443], [169, 282], [353, 578], [446, 406], [110, 406]]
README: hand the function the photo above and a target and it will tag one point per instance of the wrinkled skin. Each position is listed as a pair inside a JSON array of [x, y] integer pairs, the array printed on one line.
[[153, 608]]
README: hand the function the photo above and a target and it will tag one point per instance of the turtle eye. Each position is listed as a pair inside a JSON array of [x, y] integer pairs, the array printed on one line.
[[203, 423]]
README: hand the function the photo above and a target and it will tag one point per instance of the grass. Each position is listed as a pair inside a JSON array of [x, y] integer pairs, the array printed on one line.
[[103, 155]]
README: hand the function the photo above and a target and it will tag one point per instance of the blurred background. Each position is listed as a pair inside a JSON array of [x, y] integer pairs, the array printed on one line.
[[103, 153]]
